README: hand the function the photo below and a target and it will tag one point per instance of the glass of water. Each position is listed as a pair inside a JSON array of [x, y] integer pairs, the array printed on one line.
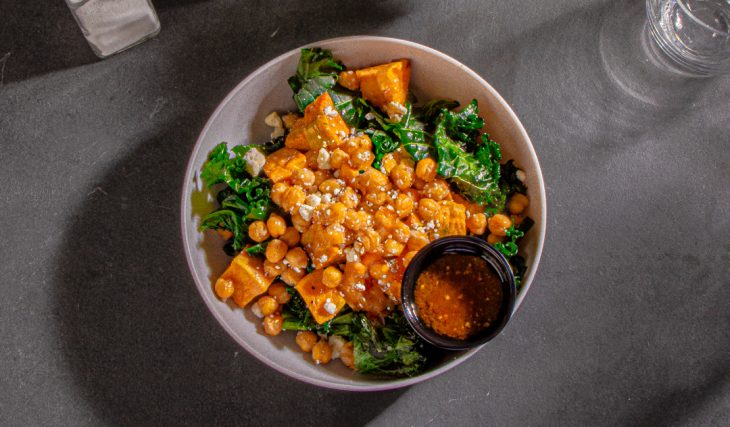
[[694, 34], [111, 26]]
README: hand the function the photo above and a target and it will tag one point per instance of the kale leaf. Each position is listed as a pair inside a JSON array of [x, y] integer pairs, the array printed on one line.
[[475, 179], [244, 200], [317, 72], [382, 145], [508, 181], [463, 126], [393, 349], [430, 111]]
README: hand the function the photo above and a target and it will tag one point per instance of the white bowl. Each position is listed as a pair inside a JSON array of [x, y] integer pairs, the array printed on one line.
[[239, 119]]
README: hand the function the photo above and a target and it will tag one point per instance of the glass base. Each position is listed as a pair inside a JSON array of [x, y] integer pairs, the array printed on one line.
[[111, 26]]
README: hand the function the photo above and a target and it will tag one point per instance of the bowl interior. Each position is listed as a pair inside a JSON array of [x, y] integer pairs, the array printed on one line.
[[240, 120]]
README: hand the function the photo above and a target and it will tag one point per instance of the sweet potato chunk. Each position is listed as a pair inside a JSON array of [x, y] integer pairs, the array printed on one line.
[[322, 126], [248, 278], [282, 163], [453, 221], [386, 85], [324, 303]]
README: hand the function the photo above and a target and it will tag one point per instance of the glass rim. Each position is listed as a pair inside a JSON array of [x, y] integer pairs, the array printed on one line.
[[694, 17]]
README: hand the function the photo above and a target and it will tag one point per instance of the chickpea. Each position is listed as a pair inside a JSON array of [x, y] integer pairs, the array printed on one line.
[[224, 288], [370, 240], [308, 234], [426, 169], [518, 203], [356, 220], [437, 190], [493, 238], [373, 181], [321, 352], [273, 324], [331, 277], [401, 232], [293, 197], [276, 225], [338, 158], [402, 176], [334, 235], [418, 184], [408, 257], [347, 355], [337, 213], [378, 269], [418, 240], [273, 269], [477, 223], [290, 236], [349, 198], [291, 276], [498, 224], [385, 218], [297, 258], [332, 186], [393, 247], [303, 177], [279, 293], [306, 340], [276, 250], [376, 198], [321, 176], [267, 305], [428, 209], [258, 232], [388, 163], [348, 174], [404, 205], [362, 158], [300, 224], [277, 192]]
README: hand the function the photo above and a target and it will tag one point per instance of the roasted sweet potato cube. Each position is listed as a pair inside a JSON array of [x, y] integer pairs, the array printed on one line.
[[296, 138], [349, 80], [386, 85], [323, 126], [324, 303], [282, 163], [248, 278]]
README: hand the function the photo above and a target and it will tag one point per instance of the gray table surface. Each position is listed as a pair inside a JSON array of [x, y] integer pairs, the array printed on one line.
[[627, 322]]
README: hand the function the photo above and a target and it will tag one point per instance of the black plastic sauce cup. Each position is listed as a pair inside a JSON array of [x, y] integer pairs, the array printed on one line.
[[462, 245]]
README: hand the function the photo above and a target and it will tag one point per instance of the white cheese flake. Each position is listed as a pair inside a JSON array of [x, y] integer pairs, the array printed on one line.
[[255, 161], [305, 211], [256, 310], [314, 200], [329, 306], [330, 111], [323, 159]]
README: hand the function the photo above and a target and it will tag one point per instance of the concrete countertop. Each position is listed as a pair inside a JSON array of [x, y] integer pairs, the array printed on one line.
[[627, 322]]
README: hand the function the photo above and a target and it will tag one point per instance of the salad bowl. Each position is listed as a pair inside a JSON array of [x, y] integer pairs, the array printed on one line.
[[239, 119]]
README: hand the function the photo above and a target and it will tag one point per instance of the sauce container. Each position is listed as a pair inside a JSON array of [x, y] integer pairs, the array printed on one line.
[[461, 245]]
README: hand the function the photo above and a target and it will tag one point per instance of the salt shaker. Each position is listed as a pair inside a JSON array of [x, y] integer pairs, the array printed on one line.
[[111, 26]]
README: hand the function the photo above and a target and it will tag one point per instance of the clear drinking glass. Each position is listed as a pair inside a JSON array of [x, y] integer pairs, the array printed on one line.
[[694, 34], [111, 26]]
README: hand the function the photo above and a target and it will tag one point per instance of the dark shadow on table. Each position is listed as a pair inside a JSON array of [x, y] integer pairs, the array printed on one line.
[[139, 341]]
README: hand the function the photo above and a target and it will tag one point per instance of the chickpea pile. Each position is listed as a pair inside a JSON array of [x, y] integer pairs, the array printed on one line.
[[360, 225]]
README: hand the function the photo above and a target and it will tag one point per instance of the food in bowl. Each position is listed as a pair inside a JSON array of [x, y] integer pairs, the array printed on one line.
[[323, 219]]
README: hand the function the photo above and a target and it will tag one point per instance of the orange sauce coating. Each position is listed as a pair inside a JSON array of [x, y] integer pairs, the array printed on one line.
[[458, 295]]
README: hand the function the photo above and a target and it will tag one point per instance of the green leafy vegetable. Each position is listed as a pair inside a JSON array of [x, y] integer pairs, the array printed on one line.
[[463, 126], [393, 349], [430, 111], [258, 249], [508, 181], [475, 179], [509, 247], [245, 199], [316, 73], [382, 145]]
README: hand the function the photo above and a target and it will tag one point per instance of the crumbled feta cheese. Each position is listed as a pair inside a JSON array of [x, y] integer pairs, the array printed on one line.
[[314, 200], [351, 255], [256, 310], [369, 116], [305, 211], [336, 342], [255, 161], [520, 175], [359, 286], [329, 306], [323, 159], [341, 134], [398, 107], [326, 198], [330, 111], [323, 259], [275, 122]]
